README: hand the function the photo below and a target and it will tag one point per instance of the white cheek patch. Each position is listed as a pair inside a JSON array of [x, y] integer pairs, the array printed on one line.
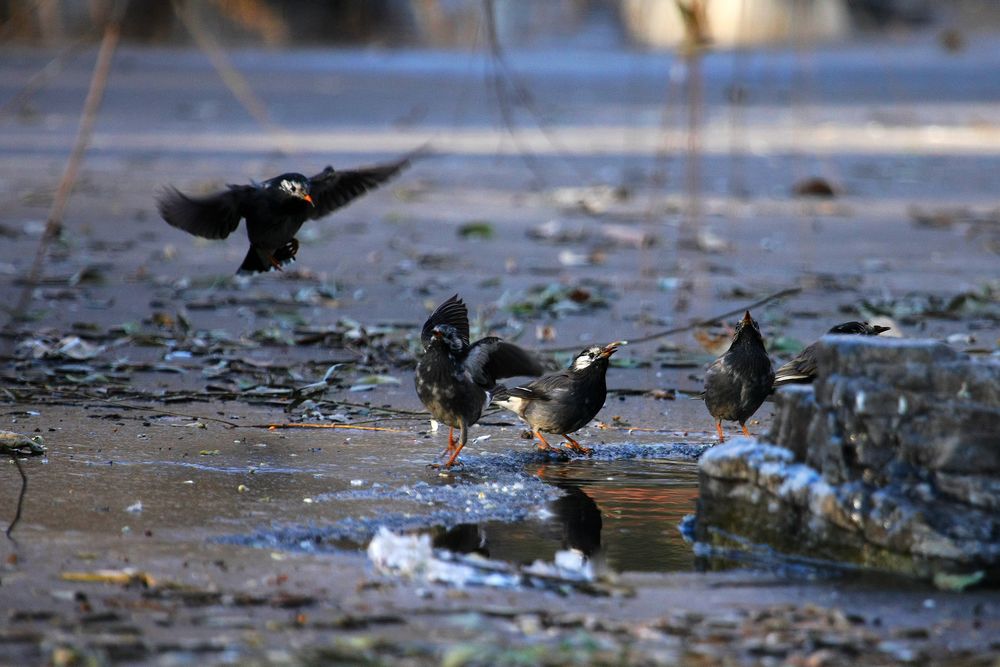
[[584, 361]]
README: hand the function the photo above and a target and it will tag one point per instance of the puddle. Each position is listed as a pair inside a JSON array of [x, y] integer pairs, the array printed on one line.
[[622, 513]]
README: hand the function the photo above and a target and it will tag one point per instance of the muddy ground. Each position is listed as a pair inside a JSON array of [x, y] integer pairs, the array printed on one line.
[[152, 373]]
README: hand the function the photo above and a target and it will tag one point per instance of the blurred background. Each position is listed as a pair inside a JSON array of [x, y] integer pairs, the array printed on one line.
[[455, 24]]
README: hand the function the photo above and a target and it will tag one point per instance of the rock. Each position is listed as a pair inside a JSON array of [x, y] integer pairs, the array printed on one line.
[[890, 461]]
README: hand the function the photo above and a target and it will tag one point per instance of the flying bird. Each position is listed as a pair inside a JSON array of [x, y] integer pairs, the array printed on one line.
[[274, 209]]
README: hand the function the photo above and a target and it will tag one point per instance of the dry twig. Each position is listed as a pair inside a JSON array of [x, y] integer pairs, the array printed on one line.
[[95, 94], [697, 323]]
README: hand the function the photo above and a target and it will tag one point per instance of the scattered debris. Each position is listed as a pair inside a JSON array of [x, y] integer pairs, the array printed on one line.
[[412, 557], [594, 200], [556, 300]]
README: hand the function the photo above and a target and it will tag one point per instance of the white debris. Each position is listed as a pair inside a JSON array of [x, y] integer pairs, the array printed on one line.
[[567, 564], [70, 347], [135, 508], [413, 557]]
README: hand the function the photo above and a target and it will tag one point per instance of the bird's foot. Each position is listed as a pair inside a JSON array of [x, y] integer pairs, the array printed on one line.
[[576, 446], [446, 466], [450, 449], [553, 452]]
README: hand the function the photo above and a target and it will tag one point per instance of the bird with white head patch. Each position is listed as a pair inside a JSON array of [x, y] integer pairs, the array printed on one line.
[[565, 401], [455, 379], [274, 209]]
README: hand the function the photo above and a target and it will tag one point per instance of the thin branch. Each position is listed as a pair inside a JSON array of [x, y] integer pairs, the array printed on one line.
[[20, 499], [44, 75], [231, 77], [275, 427], [143, 408], [95, 94], [392, 411], [697, 323], [503, 72]]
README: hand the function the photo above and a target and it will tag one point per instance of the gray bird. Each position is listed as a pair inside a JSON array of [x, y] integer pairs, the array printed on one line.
[[454, 379], [802, 369], [738, 382], [565, 401]]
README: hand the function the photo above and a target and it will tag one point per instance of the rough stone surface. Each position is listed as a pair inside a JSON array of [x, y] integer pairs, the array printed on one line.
[[891, 460]]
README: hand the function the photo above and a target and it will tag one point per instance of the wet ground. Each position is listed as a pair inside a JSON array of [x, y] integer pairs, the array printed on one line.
[[153, 374]]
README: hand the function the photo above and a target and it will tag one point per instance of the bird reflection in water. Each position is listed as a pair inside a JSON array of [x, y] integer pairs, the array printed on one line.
[[576, 514], [581, 521], [465, 538]]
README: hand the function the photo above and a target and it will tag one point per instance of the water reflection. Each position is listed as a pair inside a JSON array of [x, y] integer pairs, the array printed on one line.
[[575, 524], [621, 515], [580, 519], [642, 504], [465, 538]]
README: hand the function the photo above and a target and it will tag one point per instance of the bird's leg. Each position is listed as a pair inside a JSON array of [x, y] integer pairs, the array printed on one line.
[[275, 263], [544, 446], [745, 431], [451, 442], [576, 446], [718, 429], [463, 435]]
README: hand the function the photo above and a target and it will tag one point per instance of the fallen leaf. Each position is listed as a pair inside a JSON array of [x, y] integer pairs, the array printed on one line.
[[479, 229], [815, 187], [124, 577]]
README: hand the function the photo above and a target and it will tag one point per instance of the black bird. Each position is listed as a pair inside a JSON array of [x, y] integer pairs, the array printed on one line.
[[454, 379], [802, 369], [565, 401], [274, 210], [738, 382]]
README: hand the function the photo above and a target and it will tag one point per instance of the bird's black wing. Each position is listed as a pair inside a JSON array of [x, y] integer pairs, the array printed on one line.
[[453, 312], [330, 189], [490, 359], [800, 370], [210, 217], [545, 388]]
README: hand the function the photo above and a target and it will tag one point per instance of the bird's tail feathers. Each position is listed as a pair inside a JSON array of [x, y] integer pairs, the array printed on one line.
[[257, 261], [499, 393]]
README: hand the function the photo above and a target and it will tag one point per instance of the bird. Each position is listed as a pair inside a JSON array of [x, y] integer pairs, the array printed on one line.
[[738, 382], [564, 401], [274, 209], [802, 368], [455, 379]]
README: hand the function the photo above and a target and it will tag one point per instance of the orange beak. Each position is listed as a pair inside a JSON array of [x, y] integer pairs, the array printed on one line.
[[611, 348], [309, 199]]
